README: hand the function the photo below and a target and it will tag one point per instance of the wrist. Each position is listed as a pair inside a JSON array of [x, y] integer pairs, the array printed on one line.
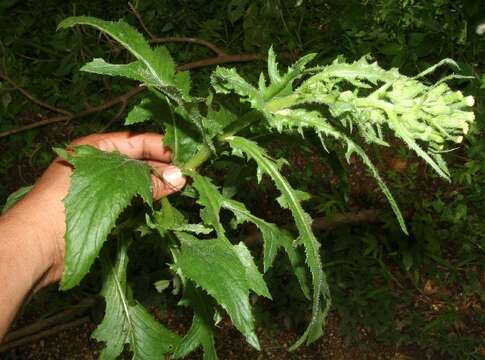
[[24, 248], [38, 220]]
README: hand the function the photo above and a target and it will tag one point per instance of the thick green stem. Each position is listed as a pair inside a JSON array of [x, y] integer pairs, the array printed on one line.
[[205, 152], [198, 159]]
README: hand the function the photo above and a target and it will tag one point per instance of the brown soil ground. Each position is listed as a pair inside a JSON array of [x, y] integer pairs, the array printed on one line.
[[75, 343]]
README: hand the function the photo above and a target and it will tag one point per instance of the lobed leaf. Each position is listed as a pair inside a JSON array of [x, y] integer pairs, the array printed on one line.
[[274, 238], [251, 150], [226, 281]]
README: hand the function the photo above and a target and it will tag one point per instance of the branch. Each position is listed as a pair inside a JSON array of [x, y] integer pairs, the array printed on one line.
[[43, 324], [329, 223], [157, 40], [42, 334], [104, 106], [184, 39], [218, 60], [33, 98], [140, 20], [126, 96]]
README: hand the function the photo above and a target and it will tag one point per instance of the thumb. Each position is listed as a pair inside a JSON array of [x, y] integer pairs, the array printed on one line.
[[169, 180]]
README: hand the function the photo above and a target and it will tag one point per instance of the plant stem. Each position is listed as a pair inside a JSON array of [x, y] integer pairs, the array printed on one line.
[[246, 120], [199, 158], [205, 152]]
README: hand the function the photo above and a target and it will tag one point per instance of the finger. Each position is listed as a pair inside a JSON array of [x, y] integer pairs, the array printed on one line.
[[146, 146], [167, 179]]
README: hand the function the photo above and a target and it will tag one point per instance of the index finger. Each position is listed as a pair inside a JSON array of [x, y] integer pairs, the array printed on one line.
[[145, 146]]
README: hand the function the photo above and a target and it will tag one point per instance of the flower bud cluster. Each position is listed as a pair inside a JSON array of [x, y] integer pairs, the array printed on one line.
[[431, 114]]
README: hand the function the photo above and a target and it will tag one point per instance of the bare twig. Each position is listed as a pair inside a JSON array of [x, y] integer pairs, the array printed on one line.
[[157, 40], [115, 118], [329, 223], [140, 20], [217, 60], [95, 109], [126, 96], [33, 98], [44, 333], [58, 318], [185, 39]]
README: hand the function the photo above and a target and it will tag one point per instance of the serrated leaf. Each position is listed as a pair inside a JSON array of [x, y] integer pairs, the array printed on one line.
[[102, 186], [219, 119], [299, 119], [180, 137], [274, 238], [226, 80], [226, 281], [358, 70], [282, 85], [201, 331], [126, 322], [254, 277], [141, 112], [211, 201], [132, 70], [159, 66], [303, 223], [170, 219]]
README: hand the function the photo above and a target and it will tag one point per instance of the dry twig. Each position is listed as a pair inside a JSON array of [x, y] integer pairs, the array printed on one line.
[[33, 98], [43, 324], [221, 58], [183, 39], [43, 334], [126, 96]]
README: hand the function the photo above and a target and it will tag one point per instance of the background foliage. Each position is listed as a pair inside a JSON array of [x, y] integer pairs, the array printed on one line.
[[424, 290]]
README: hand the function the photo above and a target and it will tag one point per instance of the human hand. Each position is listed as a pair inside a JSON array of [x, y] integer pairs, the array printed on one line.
[[42, 210]]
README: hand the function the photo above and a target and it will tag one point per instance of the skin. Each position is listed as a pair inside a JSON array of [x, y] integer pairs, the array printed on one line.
[[32, 232]]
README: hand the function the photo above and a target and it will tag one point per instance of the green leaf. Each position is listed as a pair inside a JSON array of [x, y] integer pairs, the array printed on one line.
[[226, 281], [127, 322], [254, 277], [218, 120], [211, 201], [274, 238], [102, 185], [226, 80], [141, 112], [202, 330], [299, 119], [179, 136], [170, 219], [321, 292], [15, 197], [134, 70], [158, 66], [282, 85]]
